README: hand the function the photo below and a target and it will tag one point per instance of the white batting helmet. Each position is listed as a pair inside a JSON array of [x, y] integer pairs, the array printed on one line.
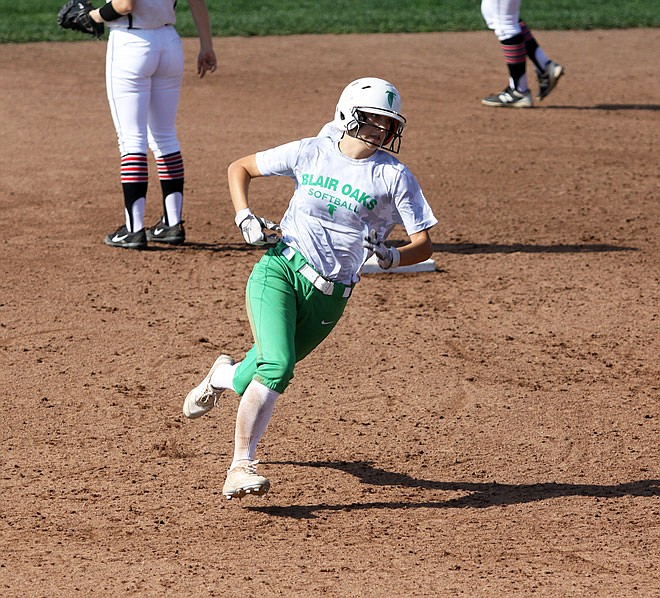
[[373, 96]]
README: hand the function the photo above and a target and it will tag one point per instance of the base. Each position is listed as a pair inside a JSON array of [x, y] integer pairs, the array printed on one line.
[[371, 267]]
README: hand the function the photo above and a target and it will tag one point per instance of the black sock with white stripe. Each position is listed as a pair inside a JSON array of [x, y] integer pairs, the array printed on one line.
[[170, 173], [134, 182]]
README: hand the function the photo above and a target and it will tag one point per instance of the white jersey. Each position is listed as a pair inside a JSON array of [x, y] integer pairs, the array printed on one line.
[[331, 130], [338, 200], [147, 14]]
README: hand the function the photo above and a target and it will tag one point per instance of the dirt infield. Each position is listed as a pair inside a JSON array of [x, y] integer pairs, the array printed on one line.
[[488, 429]]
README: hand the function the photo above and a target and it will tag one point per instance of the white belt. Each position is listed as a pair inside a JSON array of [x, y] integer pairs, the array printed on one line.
[[327, 287]]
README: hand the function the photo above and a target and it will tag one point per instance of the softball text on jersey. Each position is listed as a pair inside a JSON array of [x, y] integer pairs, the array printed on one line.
[[350, 199]]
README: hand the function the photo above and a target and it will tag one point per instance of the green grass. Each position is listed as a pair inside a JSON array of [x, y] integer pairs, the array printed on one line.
[[35, 20]]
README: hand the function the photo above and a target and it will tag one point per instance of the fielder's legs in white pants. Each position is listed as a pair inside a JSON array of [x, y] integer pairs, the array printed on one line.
[[144, 70]]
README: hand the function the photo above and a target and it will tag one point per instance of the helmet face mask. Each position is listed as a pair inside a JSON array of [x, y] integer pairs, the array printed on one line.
[[360, 105], [379, 130]]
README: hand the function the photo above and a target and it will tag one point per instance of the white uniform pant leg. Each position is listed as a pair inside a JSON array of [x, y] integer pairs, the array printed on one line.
[[130, 63], [502, 16], [165, 92]]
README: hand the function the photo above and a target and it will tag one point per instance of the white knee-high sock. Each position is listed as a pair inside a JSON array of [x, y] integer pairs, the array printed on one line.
[[254, 412], [135, 218], [173, 208]]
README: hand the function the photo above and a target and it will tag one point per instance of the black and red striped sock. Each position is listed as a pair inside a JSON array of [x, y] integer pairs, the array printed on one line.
[[515, 56]]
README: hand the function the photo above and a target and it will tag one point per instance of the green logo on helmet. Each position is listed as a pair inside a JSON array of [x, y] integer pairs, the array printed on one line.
[[390, 97]]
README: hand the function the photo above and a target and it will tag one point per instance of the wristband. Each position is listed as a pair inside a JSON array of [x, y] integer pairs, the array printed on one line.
[[396, 257], [108, 12], [242, 215]]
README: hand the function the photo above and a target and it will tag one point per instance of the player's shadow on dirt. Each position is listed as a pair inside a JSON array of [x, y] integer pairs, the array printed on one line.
[[477, 248], [607, 107], [213, 247], [476, 495]]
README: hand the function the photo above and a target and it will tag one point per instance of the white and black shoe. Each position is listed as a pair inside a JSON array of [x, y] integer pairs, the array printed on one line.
[[509, 98], [549, 78]]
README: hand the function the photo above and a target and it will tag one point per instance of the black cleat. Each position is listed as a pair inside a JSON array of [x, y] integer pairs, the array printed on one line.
[[122, 238], [161, 233]]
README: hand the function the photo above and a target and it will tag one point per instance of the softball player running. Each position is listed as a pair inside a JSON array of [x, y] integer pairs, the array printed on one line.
[[144, 70], [518, 43], [349, 194]]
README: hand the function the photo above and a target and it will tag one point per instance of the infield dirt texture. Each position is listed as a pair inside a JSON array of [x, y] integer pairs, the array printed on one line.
[[489, 429]]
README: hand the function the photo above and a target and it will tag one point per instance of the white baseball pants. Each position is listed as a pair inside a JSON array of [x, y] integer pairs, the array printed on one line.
[[502, 16], [144, 70]]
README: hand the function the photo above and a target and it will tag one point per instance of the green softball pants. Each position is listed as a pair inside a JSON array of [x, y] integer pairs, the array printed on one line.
[[289, 318]]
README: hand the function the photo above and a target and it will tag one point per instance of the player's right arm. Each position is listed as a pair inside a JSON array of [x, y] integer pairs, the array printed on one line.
[[255, 230], [239, 175]]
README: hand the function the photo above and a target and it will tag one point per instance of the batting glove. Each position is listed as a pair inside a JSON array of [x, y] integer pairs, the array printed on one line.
[[388, 257], [255, 229]]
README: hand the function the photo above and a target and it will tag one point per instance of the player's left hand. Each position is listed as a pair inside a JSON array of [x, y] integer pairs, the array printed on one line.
[[206, 62], [388, 257]]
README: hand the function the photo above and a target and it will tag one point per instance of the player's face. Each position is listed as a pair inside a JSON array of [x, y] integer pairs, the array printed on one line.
[[375, 129]]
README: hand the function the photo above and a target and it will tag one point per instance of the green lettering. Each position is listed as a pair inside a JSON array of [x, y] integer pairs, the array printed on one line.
[[363, 198]]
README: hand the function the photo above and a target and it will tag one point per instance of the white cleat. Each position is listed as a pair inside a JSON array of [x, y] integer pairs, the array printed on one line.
[[204, 397], [243, 479]]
